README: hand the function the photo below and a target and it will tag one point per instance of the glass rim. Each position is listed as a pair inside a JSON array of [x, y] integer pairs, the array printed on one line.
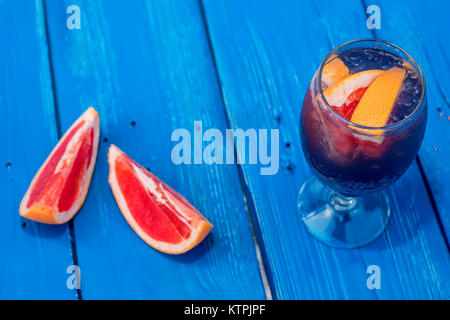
[[387, 127]]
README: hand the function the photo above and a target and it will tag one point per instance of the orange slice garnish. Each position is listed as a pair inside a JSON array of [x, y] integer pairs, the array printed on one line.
[[334, 71], [375, 106], [408, 66]]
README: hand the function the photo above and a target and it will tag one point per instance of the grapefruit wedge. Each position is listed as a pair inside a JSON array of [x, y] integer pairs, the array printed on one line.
[[344, 95], [59, 188], [159, 215]]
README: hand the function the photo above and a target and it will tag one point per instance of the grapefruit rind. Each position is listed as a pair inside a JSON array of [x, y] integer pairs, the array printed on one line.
[[375, 106], [334, 71], [197, 235], [40, 212]]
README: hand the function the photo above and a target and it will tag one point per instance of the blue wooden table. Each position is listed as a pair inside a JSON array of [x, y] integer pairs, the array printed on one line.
[[152, 66]]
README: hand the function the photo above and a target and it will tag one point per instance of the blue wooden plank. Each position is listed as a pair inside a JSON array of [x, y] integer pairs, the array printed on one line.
[[34, 257], [147, 69], [266, 54], [423, 29]]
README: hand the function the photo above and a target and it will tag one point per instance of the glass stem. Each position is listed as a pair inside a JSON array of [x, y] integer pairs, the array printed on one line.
[[342, 204]]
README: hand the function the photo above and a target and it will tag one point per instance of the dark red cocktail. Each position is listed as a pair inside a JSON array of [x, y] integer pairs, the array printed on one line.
[[362, 123]]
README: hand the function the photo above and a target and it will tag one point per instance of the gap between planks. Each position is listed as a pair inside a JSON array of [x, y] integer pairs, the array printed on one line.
[[59, 133], [261, 255]]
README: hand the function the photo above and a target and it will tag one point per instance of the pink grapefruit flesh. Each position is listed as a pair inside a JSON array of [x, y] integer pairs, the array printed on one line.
[[59, 188], [159, 215]]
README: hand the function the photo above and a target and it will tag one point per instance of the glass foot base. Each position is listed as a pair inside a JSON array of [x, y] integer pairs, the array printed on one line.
[[339, 221]]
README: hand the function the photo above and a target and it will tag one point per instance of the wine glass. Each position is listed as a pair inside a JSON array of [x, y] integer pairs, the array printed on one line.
[[343, 204]]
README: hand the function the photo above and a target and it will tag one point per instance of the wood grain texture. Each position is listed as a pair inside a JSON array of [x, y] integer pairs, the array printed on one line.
[[33, 256], [422, 29], [147, 69], [266, 54]]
